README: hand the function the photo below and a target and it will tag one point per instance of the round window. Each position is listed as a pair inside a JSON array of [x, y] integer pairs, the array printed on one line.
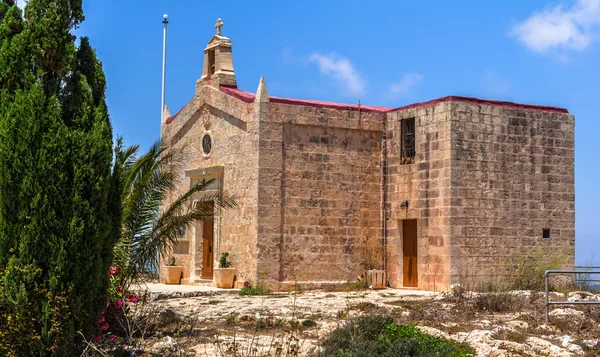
[[206, 144]]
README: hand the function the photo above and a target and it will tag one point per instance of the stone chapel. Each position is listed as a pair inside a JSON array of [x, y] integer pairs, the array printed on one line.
[[437, 191]]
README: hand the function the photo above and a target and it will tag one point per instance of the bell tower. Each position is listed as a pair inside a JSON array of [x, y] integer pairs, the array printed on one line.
[[218, 62]]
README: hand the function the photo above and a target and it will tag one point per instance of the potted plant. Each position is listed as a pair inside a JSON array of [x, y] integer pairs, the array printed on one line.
[[172, 272], [224, 274], [371, 254]]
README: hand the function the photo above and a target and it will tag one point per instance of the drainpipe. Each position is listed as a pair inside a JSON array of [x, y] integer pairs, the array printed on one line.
[[384, 216]]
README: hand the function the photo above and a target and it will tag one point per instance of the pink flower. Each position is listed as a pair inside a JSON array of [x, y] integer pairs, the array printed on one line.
[[101, 320], [114, 270], [113, 337], [133, 298], [98, 338], [120, 289], [117, 304], [104, 327]]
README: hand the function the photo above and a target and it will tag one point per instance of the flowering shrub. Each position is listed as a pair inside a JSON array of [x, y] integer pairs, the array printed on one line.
[[113, 317]]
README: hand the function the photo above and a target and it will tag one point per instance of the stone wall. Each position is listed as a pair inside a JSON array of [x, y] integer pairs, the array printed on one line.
[[319, 191], [425, 184], [234, 134], [332, 183], [512, 176], [312, 182]]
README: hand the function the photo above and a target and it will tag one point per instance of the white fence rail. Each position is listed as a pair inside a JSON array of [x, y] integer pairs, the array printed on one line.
[[582, 272]]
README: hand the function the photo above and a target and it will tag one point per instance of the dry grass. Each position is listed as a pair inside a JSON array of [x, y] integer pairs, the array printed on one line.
[[346, 287], [510, 335]]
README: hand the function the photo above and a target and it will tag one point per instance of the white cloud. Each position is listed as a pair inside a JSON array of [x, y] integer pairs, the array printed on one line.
[[402, 88], [560, 28], [494, 85], [340, 69], [21, 4]]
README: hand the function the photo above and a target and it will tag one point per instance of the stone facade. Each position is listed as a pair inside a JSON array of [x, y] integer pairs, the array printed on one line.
[[316, 182]]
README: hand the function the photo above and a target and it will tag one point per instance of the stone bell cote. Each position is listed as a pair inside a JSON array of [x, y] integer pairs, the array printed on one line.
[[218, 62]]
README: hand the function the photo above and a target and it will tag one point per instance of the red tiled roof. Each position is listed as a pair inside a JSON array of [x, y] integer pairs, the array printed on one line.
[[238, 93], [172, 117], [248, 97]]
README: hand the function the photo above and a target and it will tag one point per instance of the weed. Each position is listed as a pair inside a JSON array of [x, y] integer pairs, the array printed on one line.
[[498, 302], [370, 253], [347, 287], [258, 290], [582, 278], [531, 266], [366, 306], [309, 323], [231, 318], [342, 314], [510, 335]]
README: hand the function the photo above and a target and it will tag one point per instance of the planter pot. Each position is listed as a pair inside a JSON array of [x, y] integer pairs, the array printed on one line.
[[172, 274], [224, 277], [376, 279]]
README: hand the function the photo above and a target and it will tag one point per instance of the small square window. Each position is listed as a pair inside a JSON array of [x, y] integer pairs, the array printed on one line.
[[546, 233]]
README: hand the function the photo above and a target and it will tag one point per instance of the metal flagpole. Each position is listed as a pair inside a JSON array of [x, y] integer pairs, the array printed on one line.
[[162, 103], [164, 67]]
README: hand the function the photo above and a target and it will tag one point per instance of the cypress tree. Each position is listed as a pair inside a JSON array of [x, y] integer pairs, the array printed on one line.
[[59, 197]]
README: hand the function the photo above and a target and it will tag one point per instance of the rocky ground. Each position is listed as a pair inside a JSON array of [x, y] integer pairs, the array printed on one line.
[[496, 324]]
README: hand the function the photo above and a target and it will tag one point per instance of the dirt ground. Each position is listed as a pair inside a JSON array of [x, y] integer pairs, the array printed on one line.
[[212, 323]]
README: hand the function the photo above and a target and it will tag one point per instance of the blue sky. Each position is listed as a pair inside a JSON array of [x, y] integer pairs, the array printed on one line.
[[388, 53]]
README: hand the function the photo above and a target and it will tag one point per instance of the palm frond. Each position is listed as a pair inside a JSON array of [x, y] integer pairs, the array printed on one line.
[[148, 231]]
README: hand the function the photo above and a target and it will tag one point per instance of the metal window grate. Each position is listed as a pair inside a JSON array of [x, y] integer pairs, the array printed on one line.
[[206, 144], [408, 140]]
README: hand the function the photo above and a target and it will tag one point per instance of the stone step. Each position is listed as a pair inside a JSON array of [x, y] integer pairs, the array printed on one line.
[[203, 282]]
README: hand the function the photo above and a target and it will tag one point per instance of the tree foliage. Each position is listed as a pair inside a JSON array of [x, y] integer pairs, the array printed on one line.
[[59, 203], [152, 223]]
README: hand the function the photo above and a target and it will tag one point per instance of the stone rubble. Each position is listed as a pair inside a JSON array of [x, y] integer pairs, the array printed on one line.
[[232, 320]]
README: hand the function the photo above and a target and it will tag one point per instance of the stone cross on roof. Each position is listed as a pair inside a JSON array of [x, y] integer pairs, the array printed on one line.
[[218, 26]]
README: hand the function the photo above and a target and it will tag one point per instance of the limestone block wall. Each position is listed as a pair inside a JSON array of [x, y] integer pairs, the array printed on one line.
[[425, 184], [319, 191], [512, 176], [234, 134]]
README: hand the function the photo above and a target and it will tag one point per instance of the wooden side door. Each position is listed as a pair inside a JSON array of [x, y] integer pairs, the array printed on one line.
[[409, 249], [207, 249]]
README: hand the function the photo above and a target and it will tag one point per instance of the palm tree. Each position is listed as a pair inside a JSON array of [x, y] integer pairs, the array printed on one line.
[[150, 227]]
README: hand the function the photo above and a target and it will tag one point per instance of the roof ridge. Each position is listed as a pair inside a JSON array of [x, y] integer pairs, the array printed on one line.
[[248, 97], [382, 109], [500, 103]]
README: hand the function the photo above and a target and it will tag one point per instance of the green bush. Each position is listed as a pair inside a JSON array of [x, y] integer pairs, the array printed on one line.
[[18, 314], [531, 266], [224, 261], [59, 201], [374, 335], [259, 289]]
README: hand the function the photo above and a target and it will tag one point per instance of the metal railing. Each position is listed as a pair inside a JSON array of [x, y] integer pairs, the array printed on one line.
[[589, 271]]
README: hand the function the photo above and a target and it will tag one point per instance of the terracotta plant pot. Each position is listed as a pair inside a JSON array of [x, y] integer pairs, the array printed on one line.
[[224, 277], [376, 279], [172, 274]]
